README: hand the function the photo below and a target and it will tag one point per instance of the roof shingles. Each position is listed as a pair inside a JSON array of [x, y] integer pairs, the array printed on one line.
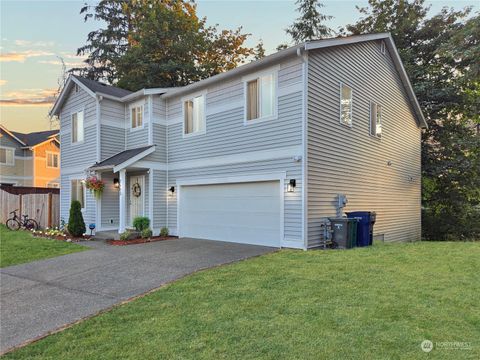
[[35, 138], [120, 158]]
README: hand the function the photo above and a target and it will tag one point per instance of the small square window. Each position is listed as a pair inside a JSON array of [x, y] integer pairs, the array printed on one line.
[[346, 105], [194, 115], [375, 120]]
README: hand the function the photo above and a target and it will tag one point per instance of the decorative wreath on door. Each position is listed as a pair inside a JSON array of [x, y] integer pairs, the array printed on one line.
[[136, 190]]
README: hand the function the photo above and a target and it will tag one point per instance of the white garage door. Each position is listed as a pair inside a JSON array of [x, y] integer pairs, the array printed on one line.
[[242, 212]]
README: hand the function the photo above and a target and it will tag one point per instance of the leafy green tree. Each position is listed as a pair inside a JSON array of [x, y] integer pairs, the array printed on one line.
[[157, 43], [311, 23], [76, 225], [440, 55]]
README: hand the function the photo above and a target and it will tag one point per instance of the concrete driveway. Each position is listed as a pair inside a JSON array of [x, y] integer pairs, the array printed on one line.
[[42, 296]]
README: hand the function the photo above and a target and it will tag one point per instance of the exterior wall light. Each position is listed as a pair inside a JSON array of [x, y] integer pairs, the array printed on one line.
[[171, 190], [116, 183], [291, 185]]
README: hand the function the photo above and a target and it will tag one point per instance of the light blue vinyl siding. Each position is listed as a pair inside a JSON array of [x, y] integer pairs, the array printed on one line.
[[110, 201], [160, 198], [112, 141], [343, 160], [80, 154]]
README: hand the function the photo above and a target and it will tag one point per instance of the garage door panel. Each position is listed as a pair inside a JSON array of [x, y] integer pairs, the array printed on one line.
[[244, 212]]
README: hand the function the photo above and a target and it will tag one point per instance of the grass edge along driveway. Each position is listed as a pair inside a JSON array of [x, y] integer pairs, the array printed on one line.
[[375, 303], [19, 247]]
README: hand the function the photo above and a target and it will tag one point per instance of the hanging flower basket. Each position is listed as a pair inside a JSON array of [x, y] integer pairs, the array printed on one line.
[[95, 185]]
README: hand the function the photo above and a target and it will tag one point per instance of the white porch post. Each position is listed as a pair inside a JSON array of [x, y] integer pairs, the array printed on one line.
[[123, 201]]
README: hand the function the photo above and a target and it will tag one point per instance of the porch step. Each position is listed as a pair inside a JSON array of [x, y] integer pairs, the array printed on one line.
[[107, 235]]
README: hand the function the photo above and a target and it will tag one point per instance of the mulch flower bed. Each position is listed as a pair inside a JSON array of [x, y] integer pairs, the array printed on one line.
[[140, 240]]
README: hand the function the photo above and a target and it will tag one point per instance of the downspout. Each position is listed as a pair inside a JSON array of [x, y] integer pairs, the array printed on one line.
[[303, 54]]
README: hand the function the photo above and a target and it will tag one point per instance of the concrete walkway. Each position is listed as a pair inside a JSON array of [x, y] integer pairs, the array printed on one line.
[[42, 296]]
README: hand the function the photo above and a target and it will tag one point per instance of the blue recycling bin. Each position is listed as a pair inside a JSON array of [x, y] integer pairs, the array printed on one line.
[[366, 219]]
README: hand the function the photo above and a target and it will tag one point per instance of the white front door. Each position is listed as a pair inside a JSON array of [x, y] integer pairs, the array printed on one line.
[[137, 196]]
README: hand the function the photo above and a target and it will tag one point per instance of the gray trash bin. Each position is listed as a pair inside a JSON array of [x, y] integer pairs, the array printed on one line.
[[339, 231]]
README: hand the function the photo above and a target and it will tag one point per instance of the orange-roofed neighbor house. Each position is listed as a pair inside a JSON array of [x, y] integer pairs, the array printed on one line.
[[31, 159]]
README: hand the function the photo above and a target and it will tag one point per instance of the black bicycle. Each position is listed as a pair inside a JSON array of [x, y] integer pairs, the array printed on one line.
[[15, 223]]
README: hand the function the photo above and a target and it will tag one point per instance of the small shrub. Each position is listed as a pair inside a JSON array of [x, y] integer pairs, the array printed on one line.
[[126, 235], [146, 233], [141, 223], [76, 225], [164, 232]]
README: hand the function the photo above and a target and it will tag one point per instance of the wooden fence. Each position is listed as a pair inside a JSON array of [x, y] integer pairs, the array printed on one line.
[[44, 208]]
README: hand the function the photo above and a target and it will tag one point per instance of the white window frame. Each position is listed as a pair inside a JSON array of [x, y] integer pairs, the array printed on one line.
[[82, 182], [351, 105], [53, 185], [138, 104], [71, 126], [7, 148], [53, 153], [246, 79], [190, 98], [370, 130]]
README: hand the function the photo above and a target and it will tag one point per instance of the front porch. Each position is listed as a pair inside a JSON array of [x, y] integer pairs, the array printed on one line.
[[127, 194]]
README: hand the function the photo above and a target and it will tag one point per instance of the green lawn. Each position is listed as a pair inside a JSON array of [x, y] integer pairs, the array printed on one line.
[[18, 247], [370, 303]]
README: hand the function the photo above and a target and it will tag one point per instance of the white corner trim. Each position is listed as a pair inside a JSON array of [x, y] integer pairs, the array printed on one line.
[[150, 197], [305, 152], [134, 159], [150, 119], [98, 138]]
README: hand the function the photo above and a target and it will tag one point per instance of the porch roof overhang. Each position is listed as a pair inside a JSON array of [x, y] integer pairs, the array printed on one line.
[[123, 159]]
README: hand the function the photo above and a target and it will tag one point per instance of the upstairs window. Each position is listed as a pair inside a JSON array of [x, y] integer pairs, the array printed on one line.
[[346, 105], [383, 48], [260, 97], [375, 120], [52, 160], [136, 116], [78, 192], [77, 127], [7, 156], [194, 115]]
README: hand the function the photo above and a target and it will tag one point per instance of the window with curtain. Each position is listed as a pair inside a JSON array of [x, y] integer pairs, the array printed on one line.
[[375, 119], [77, 127], [260, 97], [52, 160], [7, 156], [78, 192], [136, 115], [194, 115], [346, 105]]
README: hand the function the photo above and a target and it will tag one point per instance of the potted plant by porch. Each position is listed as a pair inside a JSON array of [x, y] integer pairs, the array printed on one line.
[[95, 185]]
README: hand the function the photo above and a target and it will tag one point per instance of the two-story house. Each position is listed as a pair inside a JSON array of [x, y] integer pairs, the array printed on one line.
[[258, 154], [31, 159]]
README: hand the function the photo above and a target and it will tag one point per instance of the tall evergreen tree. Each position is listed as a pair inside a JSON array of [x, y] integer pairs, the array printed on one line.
[[157, 43], [311, 23], [440, 55]]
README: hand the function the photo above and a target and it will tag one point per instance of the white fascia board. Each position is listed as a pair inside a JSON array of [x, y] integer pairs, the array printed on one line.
[[61, 98], [134, 159], [11, 134], [319, 44]]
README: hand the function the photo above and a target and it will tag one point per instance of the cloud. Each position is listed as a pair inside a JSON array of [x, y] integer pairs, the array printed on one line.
[[29, 97], [67, 63], [21, 56], [3, 82], [34, 43]]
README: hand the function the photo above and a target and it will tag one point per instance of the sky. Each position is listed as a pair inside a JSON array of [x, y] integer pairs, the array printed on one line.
[[35, 33]]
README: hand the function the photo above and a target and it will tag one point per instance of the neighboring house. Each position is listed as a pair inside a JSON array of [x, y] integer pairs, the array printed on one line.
[[258, 154], [31, 159]]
